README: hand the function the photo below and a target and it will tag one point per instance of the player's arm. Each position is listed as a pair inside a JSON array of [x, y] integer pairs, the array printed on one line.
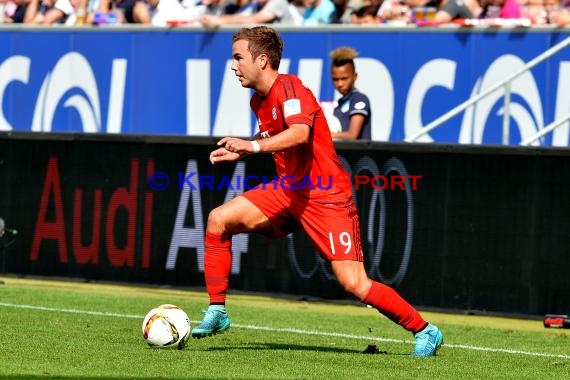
[[222, 154], [232, 148], [355, 125], [294, 135]]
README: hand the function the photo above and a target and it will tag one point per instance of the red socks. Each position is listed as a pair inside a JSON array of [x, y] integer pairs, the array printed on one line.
[[217, 266], [389, 303]]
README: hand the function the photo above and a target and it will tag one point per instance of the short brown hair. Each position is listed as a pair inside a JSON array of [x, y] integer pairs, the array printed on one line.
[[262, 40]]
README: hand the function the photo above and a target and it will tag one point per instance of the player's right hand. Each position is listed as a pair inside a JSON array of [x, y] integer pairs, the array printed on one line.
[[234, 144]]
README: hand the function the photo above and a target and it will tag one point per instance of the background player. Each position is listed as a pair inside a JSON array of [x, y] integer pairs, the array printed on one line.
[[353, 108]]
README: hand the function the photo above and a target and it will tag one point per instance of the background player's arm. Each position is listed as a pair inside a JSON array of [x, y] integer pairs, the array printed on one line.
[[355, 125]]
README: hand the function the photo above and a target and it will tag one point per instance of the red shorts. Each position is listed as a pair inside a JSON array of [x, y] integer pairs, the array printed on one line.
[[333, 228]]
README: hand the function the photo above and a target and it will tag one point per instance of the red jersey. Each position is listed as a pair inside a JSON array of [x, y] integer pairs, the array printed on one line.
[[312, 170]]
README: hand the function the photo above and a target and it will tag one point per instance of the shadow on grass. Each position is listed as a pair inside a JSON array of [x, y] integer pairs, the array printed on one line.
[[298, 347]]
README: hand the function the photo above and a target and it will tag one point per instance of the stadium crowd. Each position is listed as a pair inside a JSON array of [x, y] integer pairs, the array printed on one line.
[[213, 13]]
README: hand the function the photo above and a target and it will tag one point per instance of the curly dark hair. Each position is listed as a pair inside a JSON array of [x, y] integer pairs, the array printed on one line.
[[343, 55]]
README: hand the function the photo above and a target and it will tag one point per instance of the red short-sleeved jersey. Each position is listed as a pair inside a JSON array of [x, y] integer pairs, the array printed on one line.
[[313, 170]]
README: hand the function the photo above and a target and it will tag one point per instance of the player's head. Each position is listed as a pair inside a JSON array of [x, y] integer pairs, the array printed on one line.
[[343, 71], [262, 41]]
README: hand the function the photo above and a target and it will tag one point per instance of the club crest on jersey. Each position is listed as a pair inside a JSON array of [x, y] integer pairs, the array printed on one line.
[[291, 107], [274, 113], [360, 106]]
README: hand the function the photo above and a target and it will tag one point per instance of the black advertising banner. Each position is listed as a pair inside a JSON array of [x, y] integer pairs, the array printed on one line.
[[461, 227]]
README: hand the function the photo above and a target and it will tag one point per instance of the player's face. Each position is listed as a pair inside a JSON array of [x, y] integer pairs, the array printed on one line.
[[343, 78], [243, 64]]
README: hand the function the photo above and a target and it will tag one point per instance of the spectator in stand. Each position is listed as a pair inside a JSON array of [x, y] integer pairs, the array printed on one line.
[[536, 12], [243, 7], [271, 12], [36, 11], [14, 11], [505, 9], [446, 10], [342, 12], [366, 15], [67, 12], [171, 12], [198, 8], [62, 12], [218, 7], [557, 13], [127, 11], [353, 108], [450, 10], [318, 12], [394, 11]]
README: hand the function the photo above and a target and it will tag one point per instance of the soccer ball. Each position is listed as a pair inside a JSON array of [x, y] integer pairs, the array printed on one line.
[[166, 326]]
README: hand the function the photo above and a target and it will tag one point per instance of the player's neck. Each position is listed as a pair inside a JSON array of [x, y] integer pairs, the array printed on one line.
[[266, 84]]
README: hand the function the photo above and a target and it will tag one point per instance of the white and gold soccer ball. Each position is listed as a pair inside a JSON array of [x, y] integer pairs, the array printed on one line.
[[166, 326]]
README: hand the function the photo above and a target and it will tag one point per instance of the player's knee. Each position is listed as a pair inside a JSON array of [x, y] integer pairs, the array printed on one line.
[[355, 285], [217, 220]]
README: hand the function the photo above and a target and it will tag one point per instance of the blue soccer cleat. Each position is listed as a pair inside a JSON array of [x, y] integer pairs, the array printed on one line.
[[428, 341], [215, 321]]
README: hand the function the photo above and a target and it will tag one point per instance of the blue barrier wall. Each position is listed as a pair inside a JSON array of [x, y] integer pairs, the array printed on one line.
[[178, 81]]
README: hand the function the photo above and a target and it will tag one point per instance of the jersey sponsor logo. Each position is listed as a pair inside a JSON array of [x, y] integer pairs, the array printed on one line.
[[292, 107], [265, 135], [360, 105]]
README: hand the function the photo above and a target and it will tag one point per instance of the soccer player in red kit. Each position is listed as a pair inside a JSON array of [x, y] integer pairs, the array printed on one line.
[[292, 126]]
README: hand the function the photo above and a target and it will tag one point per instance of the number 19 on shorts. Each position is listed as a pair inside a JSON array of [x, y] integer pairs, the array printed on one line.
[[343, 238]]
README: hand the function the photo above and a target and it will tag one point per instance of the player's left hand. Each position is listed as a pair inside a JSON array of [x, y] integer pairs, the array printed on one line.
[[222, 154]]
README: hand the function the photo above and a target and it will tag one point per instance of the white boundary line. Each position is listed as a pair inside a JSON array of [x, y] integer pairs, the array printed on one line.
[[291, 330]]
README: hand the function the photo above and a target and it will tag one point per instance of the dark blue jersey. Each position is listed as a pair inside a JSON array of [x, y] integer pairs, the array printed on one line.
[[354, 103]]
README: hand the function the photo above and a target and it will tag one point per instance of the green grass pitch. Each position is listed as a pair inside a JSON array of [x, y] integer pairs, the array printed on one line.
[[75, 330]]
